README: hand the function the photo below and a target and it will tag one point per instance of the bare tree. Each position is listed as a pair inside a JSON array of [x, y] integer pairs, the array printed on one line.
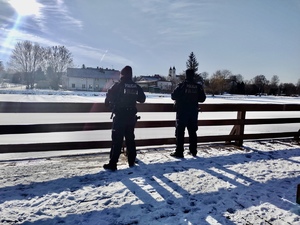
[[239, 78], [221, 78], [298, 87], [204, 75], [58, 58], [274, 85], [1, 72], [236, 85], [275, 80], [288, 89], [1, 67], [260, 82], [26, 58], [216, 83], [225, 80]]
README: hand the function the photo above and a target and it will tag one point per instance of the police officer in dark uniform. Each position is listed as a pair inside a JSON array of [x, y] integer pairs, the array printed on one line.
[[187, 95], [122, 98]]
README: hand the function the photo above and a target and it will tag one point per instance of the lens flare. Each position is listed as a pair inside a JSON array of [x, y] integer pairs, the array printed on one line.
[[23, 8], [26, 8]]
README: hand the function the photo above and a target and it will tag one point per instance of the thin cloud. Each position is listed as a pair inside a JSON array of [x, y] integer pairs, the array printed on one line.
[[55, 12], [96, 53], [176, 20], [17, 35], [68, 19], [9, 38], [6, 21]]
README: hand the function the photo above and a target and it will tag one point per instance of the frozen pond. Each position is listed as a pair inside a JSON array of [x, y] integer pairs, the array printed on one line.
[[150, 133], [141, 133]]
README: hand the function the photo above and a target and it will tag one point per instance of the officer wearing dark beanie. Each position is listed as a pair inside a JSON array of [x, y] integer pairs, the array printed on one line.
[[122, 98], [186, 96], [189, 75], [126, 73]]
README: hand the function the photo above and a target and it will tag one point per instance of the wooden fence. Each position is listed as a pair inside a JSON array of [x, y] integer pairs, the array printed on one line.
[[236, 136]]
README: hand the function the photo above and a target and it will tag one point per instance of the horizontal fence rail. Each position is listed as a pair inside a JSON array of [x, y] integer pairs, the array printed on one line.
[[236, 136]]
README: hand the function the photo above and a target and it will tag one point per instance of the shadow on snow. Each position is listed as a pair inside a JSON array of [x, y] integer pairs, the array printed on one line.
[[171, 206]]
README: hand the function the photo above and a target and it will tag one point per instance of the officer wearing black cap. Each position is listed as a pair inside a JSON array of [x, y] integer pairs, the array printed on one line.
[[187, 95], [122, 98]]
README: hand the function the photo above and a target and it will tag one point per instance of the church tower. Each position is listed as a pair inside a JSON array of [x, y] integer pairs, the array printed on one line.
[[172, 72]]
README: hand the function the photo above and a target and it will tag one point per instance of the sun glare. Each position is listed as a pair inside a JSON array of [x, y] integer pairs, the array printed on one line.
[[26, 7]]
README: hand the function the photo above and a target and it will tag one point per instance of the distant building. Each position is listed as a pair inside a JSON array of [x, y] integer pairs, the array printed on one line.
[[154, 83], [172, 72], [90, 79], [174, 78]]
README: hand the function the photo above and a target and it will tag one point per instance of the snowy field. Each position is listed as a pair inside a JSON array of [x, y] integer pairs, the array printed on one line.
[[255, 184]]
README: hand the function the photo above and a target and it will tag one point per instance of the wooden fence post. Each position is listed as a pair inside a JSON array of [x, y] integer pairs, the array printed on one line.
[[239, 129]]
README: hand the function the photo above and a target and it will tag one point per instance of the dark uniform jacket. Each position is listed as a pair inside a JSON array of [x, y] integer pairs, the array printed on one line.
[[187, 95], [123, 95]]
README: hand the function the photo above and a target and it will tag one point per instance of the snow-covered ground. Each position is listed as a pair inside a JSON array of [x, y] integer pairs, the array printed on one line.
[[255, 184]]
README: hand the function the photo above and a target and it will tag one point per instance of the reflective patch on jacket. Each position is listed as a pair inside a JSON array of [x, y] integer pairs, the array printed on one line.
[[191, 89], [130, 89]]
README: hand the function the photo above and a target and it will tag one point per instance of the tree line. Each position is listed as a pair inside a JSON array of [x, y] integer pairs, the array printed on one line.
[[224, 81], [43, 67], [37, 66]]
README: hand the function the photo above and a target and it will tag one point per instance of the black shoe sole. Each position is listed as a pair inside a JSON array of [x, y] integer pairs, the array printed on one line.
[[176, 156]]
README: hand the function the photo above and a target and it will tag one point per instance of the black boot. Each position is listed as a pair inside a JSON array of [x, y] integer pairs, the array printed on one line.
[[110, 167], [177, 155]]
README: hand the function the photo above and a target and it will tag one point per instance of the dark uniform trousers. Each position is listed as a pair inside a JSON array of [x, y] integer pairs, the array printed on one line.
[[186, 119], [123, 126]]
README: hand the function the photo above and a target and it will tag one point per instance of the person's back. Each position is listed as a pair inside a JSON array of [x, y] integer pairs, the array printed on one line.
[[122, 98], [124, 94], [129, 94], [187, 95]]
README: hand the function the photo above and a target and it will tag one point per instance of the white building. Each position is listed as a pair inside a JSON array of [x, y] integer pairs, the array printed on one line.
[[90, 79], [154, 83]]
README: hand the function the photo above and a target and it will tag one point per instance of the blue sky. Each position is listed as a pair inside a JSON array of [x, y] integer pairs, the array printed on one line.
[[247, 37]]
